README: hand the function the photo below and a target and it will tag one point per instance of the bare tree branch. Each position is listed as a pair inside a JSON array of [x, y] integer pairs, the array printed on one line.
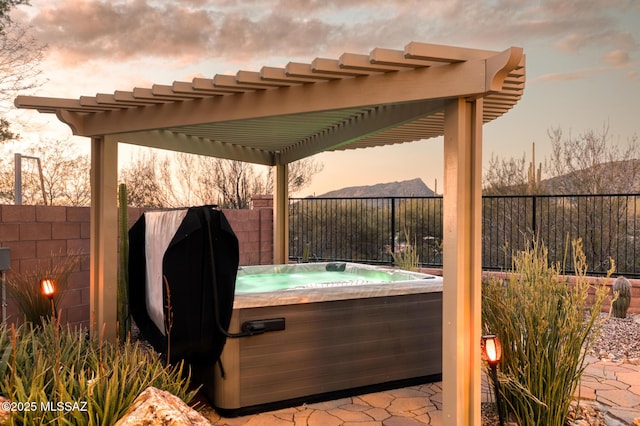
[[20, 56], [591, 163], [195, 180]]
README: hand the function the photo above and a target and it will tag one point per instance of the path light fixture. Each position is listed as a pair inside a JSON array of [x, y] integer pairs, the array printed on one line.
[[492, 354], [48, 289]]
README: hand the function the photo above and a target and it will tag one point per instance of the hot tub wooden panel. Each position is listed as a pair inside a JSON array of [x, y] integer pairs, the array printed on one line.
[[331, 346]]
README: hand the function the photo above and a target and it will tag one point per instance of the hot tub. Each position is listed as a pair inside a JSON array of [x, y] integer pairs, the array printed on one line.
[[339, 329]]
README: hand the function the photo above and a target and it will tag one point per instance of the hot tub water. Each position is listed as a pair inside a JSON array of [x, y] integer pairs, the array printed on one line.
[[270, 278]]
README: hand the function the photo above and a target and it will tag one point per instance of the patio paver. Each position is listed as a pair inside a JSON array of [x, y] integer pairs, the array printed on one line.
[[613, 387]]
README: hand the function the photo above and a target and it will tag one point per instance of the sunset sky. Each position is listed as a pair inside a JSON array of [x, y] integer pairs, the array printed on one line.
[[583, 61]]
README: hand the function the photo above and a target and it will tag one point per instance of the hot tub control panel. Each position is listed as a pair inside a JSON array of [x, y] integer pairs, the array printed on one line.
[[262, 326]]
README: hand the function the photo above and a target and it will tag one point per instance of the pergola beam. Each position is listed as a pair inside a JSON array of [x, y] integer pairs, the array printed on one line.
[[281, 214], [103, 239], [462, 263], [465, 79]]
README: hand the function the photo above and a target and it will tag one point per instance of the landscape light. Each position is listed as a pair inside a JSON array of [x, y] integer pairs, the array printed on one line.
[[492, 350], [492, 353], [48, 289]]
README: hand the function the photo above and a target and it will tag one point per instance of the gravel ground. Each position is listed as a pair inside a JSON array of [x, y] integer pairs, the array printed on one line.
[[619, 339]]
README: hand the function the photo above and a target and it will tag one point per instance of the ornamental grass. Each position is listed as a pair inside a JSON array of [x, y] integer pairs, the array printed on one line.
[[24, 287], [406, 256], [546, 325], [61, 376]]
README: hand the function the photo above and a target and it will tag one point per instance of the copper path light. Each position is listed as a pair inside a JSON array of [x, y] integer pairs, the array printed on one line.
[[492, 354], [48, 289]]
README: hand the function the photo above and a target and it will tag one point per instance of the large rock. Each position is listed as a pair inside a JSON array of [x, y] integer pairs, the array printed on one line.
[[155, 407], [4, 414]]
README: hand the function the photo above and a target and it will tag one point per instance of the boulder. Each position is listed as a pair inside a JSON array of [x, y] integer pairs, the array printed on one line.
[[157, 407], [4, 414]]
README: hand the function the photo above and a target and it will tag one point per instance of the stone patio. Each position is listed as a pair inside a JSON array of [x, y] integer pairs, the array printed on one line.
[[614, 388]]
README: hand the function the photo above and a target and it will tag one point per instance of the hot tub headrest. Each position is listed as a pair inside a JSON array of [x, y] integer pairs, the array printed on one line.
[[194, 286], [336, 266]]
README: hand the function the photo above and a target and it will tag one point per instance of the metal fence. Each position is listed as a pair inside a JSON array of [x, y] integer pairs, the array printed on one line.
[[370, 229]]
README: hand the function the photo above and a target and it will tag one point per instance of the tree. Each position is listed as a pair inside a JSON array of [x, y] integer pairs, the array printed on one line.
[[6, 133], [587, 164], [159, 182], [6, 180], [591, 163], [142, 178], [505, 176], [65, 175], [5, 8], [236, 182], [186, 180], [20, 56], [510, 177], [300, 174]]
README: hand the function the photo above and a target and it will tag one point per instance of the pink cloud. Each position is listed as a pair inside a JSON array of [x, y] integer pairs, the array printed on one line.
[[617, 58], [83, 30], [560, 76]]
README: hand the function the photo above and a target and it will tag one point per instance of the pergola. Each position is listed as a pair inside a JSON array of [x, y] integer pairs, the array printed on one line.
[[280, 115]]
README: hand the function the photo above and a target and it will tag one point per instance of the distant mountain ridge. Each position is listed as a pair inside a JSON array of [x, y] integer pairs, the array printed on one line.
[[406, 188]]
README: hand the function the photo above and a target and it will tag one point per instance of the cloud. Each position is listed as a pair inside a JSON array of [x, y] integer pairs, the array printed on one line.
[[562, 76], [617, 58], [121, 30], [80, 30]]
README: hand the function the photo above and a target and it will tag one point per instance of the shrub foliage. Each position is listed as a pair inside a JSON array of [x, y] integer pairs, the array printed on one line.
[[24, 287], [68, 378], [545, 325]]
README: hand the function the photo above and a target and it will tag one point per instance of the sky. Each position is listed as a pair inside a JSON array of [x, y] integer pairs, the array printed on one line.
[[583, 62]]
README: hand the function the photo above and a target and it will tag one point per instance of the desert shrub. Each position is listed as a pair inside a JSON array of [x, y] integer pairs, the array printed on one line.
[[406, 256], [545, 325], [96, 382], [24, 287]]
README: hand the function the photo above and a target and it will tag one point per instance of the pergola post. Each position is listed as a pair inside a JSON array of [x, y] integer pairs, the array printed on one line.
[[104, 236], [462, 223], [281, 214]]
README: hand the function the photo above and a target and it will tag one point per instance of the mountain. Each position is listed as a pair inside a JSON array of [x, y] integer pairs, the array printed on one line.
[[406, 188], [612, 177]]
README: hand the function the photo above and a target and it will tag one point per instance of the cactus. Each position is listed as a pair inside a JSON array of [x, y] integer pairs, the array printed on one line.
[[124, 322], [534, 176], [622, 297]]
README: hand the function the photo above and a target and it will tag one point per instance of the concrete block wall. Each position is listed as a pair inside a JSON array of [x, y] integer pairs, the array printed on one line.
[[634, 307], [35, 233]]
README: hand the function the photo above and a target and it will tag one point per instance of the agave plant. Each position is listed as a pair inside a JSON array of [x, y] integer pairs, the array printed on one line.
[[95, 381]]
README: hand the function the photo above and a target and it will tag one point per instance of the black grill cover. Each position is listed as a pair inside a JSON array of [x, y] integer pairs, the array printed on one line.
[[196, 277]]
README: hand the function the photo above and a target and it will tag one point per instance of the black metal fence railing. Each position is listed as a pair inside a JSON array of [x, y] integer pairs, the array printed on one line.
[[370, 229]]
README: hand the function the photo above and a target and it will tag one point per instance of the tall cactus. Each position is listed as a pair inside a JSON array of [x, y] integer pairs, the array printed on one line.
[[534, 175], [124, 321], [622, 295]]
